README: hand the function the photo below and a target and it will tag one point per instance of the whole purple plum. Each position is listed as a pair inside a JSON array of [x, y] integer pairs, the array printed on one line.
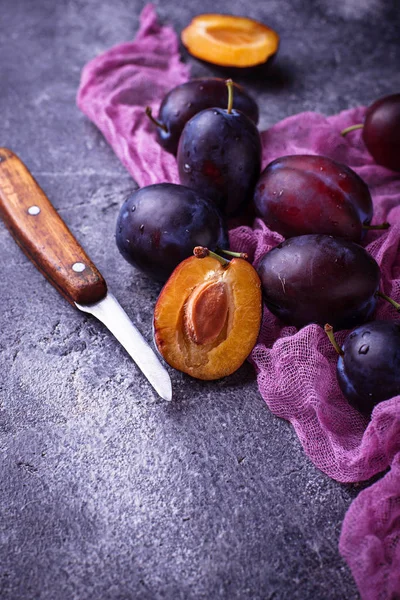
[[159, 225], [320, 279], [304, 194], [186, 100]]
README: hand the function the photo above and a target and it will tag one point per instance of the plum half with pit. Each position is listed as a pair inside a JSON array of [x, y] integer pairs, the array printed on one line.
[[186, 100], [159, 225], [304, 194], [208, 315], [320, 279], [219, 155]]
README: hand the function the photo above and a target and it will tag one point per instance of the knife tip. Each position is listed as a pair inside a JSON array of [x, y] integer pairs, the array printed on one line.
[[167, 395], [165, 391]]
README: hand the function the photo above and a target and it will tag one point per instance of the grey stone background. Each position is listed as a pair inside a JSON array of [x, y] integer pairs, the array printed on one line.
[[107, 492]]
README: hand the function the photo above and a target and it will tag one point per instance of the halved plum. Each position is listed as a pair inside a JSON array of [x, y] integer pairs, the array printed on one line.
[[208, 315], [229, 40]]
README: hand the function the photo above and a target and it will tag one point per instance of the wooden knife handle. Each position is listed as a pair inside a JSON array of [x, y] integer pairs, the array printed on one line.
[[43, 236]]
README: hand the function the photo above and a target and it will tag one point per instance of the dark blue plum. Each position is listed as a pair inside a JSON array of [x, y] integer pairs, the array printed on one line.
[[159, 225], [219, 155], [320, 279], [369, 370], [186, 100]]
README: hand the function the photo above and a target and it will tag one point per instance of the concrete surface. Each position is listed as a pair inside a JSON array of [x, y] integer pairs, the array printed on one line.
[[107, 492]]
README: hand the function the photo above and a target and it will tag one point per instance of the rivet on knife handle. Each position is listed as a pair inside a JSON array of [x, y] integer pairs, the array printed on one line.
[[43, 235]]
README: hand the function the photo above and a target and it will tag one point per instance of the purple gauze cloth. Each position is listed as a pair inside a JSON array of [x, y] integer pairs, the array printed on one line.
[[295, 369]]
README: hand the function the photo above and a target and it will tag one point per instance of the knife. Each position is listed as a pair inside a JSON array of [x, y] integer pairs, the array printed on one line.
[[46, 240]]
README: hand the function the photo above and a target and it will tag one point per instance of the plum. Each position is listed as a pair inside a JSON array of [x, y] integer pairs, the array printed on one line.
[[303, 194], [318, 279], [159, 225], [219, 155], [208, 315], [368, 367], [186, 100], [381, 131]]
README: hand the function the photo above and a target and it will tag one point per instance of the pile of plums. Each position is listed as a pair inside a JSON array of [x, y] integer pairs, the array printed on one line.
[[319, 274], [211, 127]]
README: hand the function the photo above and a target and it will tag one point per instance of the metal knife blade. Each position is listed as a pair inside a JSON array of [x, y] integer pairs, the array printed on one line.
[[112, 315], [48, 243]]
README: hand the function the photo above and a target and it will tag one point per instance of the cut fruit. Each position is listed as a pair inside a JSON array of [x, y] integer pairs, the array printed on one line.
[[230, 41], [208, 315]]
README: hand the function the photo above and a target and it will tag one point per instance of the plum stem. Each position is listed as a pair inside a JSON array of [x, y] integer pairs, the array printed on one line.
[[153, 120], [390, 300], [234, 254], [201, 252], [329, 332], [381, 226], [351, 128], [229, 85]]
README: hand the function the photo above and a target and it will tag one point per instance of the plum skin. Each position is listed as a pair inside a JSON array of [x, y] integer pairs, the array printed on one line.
[[304, 194], [219, 153], [369, 370], [381, 132], [186, 100], [159, 225], [320, 279]]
